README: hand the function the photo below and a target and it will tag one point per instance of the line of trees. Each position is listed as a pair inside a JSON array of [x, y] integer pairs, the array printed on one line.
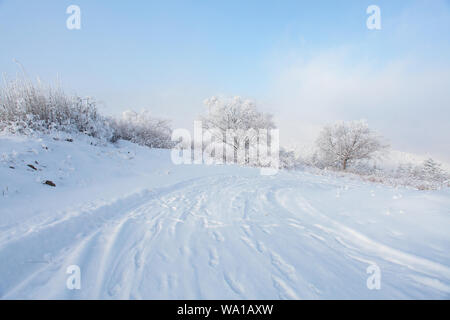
[[339, 145], [26, 106], [343, 146]]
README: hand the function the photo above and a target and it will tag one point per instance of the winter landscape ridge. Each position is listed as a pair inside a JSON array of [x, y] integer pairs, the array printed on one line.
[[224, 150], [140, 227]]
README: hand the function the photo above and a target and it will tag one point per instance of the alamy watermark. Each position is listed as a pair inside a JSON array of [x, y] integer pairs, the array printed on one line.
[[374, 20], [256, 147], [73, 22], [73, 282], [374, 281]]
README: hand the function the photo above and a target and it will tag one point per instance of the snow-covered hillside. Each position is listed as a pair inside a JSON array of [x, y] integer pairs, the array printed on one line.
[[140, 227]]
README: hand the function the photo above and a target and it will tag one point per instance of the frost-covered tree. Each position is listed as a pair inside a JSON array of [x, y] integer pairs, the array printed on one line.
[[143, 129], [404, 170], [343, 143], [241, 117], [288, 160], [432, 171]]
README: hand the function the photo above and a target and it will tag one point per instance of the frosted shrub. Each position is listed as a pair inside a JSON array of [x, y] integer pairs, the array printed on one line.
[[26, 106], [288, 160], [432, 171], [143, 129]]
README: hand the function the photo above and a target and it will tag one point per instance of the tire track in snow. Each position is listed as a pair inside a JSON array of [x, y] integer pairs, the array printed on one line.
[[212, 232], [362, 245], [66, 229]]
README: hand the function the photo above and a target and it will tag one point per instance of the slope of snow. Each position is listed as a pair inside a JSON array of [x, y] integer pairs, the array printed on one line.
[[140, 227]]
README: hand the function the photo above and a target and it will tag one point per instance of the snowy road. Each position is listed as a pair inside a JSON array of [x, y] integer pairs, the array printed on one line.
[[228, 235]]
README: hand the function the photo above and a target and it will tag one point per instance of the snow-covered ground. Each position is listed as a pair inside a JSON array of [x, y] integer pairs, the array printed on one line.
[[140, 227]]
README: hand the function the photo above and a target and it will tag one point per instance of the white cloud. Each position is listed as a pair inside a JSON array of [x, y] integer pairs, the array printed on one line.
[[404, 93]]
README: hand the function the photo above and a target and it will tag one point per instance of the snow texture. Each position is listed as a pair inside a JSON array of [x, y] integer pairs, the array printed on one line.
[[140, 227]]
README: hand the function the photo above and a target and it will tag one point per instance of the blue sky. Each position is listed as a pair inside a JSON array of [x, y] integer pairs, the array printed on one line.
[[308, 62]]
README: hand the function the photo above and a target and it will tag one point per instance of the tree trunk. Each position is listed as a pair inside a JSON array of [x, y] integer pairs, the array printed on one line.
[[344, 164]]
